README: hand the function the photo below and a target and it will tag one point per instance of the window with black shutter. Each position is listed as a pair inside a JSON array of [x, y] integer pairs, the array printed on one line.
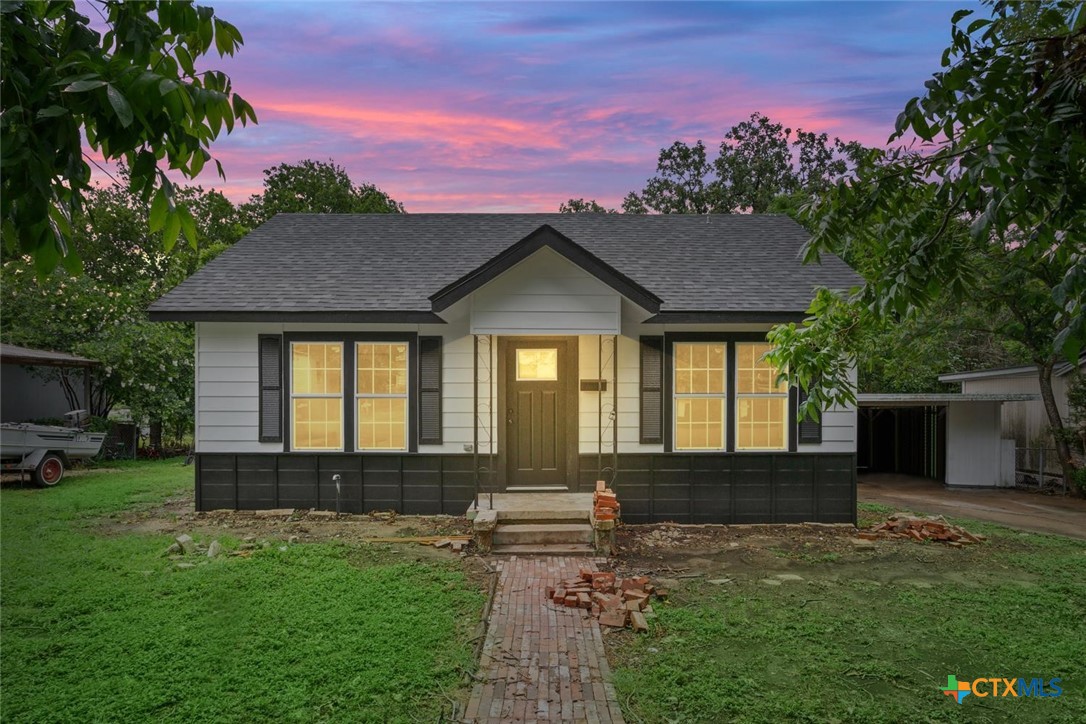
[[429, 390], [271, 387], [652, 390]]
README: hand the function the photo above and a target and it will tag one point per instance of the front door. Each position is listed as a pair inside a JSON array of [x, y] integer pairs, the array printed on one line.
[[538, 406]]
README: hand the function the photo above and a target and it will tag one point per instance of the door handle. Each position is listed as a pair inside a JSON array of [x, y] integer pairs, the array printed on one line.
[[509, 418]]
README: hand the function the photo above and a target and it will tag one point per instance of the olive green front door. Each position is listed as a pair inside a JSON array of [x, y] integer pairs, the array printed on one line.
[[539, 412]]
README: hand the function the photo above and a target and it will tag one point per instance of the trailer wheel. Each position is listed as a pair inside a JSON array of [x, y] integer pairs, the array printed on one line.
[[49, 471]]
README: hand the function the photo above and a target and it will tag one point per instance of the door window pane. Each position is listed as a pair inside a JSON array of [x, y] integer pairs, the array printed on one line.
[[537, 364]]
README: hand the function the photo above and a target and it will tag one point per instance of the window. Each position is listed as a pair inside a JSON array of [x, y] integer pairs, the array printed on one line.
[[316, 392], [381, 395], [761, 404], [700, 395], [537, 365]]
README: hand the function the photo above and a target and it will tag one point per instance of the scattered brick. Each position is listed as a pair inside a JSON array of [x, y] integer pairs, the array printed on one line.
[[638, 622], [616, 619], [613, 602], [901, 525]]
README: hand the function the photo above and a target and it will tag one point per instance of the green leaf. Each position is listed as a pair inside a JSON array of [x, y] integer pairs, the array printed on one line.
[[81, 86], [156, 219], [52, 112], [172, 229], [188, 225], [120, 105]]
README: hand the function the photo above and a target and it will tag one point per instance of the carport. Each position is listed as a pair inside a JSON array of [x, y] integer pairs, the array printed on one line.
[[952, 438]]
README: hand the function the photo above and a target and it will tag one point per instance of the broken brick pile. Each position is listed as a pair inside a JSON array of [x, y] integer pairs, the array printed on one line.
[[901, 525], [619, 603], [604, 503]]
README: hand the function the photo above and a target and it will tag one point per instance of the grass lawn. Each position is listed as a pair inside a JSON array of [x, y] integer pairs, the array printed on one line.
[[869, 637], [100, 626]]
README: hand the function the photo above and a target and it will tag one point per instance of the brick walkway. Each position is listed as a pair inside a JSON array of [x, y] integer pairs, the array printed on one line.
[[541, 662]]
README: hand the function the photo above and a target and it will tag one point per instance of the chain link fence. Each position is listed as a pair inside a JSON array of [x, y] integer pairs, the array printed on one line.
[[1038, 468]]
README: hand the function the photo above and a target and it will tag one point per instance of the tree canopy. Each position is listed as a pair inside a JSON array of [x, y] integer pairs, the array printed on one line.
[[583, 206], [988, 211], [758, 163], [135, 96], [316, 187]]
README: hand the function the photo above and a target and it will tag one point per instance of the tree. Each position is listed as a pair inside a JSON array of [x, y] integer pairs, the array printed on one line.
[[759, 163], [315, 187], [146, 367], [682, 184], [990, 209], [133, 93], [581, 206]]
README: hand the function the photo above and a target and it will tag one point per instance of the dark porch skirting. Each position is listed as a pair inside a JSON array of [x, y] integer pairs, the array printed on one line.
[[707, 488]]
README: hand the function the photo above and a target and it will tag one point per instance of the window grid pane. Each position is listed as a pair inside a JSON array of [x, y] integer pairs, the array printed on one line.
[[381, 395], [761, 404], [316, 396], [700, 392]]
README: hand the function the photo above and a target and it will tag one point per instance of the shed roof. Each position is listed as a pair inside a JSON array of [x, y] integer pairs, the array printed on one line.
[[11, 354], [880, 399], [388, 267]]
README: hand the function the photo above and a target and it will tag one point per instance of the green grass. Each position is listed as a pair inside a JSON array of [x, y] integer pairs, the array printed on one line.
[[852, 644], [102, 627]]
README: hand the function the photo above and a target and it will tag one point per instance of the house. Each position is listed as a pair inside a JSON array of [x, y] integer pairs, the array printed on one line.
[[1026, 422], [38, 384], [427, 358]]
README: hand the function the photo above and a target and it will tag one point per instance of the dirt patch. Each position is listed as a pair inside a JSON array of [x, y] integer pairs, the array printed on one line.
[[176, 516], [694, 555]]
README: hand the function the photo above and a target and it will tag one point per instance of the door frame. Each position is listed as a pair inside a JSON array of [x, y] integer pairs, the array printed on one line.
[[569, 381]]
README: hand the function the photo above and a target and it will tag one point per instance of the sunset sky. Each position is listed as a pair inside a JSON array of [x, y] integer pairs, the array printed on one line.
[[519, 106]]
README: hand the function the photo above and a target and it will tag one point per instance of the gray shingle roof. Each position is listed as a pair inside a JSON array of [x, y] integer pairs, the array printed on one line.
[[299, 263]]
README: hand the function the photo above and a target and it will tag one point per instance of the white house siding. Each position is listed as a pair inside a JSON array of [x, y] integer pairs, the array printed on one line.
[[545, 294], [227, 381]]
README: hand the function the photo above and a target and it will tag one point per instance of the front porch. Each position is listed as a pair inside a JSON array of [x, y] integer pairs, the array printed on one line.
[[540, 524]]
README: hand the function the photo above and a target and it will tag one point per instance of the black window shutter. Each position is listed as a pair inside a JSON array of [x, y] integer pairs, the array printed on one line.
[[429, 390], [271, 388], [652, 390], [808, 431]]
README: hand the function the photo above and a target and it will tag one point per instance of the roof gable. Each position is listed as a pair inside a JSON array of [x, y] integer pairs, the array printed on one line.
[[545, 237]]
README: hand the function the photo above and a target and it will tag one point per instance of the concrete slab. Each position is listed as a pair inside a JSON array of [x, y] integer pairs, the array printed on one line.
[[527, 507], [1062, 515]]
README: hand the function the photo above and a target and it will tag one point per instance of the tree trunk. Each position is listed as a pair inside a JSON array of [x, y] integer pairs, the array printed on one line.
[[1055, 421], [156, 435]]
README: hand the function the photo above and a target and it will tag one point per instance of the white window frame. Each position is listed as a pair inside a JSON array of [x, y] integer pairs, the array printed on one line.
[[314, 396], [405, 396], [676, 396], [740, 396]]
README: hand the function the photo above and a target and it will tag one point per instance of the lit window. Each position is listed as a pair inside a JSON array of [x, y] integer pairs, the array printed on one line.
[[699, 395], [535, 365], [761, 404], [381, 395], [316, 392]]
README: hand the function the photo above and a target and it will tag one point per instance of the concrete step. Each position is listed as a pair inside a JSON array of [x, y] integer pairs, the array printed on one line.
[[544, 549], [542, 533], [543, 516]]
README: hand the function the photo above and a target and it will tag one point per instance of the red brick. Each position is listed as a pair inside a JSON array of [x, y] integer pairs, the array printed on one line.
[[600, 486], [571, 600], [586, 574], [638, 622], [559, 596], [611, 602], [550, 591], [583, 601], [662, 594], [615, 619]]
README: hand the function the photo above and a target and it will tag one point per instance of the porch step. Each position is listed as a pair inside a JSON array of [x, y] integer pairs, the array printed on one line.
[[568, 517], [544, 549], [535, 534]]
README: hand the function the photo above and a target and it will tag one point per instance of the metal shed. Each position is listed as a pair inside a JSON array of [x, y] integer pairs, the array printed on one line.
[[953, 438]]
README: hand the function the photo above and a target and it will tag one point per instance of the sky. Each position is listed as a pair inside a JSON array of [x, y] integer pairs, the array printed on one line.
[[505, 107]]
